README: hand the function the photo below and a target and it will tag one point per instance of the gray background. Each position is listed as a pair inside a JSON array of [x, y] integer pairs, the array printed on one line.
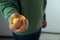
[[4, 28]]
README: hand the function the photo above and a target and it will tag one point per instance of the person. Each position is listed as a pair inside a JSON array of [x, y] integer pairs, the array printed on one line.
[[34, 12]]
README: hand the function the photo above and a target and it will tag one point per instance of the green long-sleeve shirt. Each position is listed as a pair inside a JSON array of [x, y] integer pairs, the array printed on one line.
[[32, 9]]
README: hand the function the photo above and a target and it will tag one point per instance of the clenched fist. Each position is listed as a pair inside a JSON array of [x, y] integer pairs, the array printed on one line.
[[44, 24], [20, 25]]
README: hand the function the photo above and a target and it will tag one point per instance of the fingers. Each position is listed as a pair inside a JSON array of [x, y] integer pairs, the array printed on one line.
[[18, 24], [14, 15], [44, 24], [11, 25], [23, 27], [20, 29], [26, 22]]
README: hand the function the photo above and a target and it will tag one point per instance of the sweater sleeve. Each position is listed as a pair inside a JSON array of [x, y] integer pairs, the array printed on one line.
[[44, 7], [8, 7]]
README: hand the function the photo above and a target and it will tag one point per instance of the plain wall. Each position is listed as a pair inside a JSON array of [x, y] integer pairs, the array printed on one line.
[[53, 16]]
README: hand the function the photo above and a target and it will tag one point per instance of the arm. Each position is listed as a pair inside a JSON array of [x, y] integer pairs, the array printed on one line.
[[10, 10], [8, 7], [44, 7], [44, 17]]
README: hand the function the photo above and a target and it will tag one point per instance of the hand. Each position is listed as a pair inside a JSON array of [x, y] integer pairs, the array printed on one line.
[[15, 27], [44, 24]]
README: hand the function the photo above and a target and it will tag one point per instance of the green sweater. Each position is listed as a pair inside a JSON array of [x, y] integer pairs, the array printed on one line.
[[32, 9]]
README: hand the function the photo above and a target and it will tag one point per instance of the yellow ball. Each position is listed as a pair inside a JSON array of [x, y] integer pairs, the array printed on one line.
[[16, 19], [22, 17]]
